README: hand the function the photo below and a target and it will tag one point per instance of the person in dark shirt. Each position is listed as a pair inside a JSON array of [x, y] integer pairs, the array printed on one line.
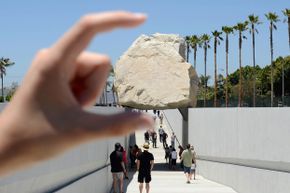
[[154, 139], [117, 167], [146, 136], [164, 138], [145, 162]]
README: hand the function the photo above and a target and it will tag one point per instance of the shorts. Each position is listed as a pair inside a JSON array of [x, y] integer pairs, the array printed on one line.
[[118, 175], [143, 176], [186, 169]]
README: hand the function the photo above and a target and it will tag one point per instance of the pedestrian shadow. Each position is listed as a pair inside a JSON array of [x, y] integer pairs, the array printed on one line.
[[157, 167], [165, 167]]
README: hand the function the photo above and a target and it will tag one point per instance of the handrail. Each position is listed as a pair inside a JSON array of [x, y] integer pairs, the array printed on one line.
[[170, 127], [73, 180]]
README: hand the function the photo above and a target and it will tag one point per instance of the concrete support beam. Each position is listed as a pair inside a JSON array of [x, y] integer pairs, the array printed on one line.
[[184, 113]]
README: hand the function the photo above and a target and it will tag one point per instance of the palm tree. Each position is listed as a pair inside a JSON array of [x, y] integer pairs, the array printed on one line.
[[194, 43], [187, 41], [241, 27], [217, 38], [227, 30], [286, 12], [4, 63], [205, 39], [254, 20], [273, 18]]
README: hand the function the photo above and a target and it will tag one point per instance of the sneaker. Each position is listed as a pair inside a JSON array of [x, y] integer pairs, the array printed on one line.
[[188, 182]]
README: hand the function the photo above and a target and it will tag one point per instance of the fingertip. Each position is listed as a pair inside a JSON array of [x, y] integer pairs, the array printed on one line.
[[141, 16]]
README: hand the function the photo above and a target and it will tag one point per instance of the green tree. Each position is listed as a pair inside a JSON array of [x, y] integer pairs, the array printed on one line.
[[286, 12], [195, 43], [247, 76], [254, 20], [227, 30], [217, 38], [220, 87], [4, 63], [273, 19], [241, 27], [12, 90], [281, 64], [201, 92], [205, 40]]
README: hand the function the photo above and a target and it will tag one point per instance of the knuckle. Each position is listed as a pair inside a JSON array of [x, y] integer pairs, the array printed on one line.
[[42, 53], [86, 21]]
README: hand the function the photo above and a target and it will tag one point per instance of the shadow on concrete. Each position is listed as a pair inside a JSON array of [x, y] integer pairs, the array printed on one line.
[[165, 167]]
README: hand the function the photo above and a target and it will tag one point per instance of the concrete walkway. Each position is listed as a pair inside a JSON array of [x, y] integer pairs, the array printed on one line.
[[167, 181]]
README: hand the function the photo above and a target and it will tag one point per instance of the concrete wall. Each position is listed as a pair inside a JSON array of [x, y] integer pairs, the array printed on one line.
[[173, 118], [83, 169], [247, 149]]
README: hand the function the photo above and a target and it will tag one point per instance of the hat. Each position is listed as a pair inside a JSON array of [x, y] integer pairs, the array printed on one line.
[[146, 146]]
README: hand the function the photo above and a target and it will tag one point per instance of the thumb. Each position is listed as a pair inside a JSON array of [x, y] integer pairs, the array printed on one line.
[[92, 126]]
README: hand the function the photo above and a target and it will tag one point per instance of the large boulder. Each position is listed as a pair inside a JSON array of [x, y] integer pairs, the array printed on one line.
[[153, 74]]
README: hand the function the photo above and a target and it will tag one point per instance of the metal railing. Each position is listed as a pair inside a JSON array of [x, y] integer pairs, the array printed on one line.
[[170, 126]]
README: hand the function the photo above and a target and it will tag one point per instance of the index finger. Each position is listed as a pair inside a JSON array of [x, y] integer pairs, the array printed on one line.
[[80, 35]]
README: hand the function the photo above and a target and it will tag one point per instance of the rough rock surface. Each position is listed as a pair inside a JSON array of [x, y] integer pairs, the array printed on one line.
[[153, 74]]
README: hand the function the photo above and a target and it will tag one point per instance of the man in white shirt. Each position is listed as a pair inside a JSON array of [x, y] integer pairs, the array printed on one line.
[[160, 131]]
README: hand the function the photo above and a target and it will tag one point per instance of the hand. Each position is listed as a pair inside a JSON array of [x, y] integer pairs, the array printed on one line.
[[46, 115]]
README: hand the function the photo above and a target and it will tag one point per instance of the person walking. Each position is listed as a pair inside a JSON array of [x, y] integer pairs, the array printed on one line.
[[173, 159], [187, 157], [164, 138], [181, 149], [167, 152], [146, 137], [172, 139], [154, 139], [161, 118], [193, 165], [145, 163], [131, 156], [117, 168], [125, 160], [160, 131]]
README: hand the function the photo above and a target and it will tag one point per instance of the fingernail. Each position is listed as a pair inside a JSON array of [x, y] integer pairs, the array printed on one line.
[[140, 15]]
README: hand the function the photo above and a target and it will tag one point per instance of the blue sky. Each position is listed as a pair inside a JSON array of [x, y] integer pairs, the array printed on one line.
[[27, 26]]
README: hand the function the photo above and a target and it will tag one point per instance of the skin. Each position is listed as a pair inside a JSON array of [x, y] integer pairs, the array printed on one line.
[[147, 187], [47, 115], [188, 176]]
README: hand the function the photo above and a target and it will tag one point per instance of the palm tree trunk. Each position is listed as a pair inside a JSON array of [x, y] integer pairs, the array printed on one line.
[[240, 66], [272, 81], [254, 65], [2, 88], [283, 75], [194, 56], [187, 52], [227, 67], [215, 73], [289, 31], [205, 78]]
